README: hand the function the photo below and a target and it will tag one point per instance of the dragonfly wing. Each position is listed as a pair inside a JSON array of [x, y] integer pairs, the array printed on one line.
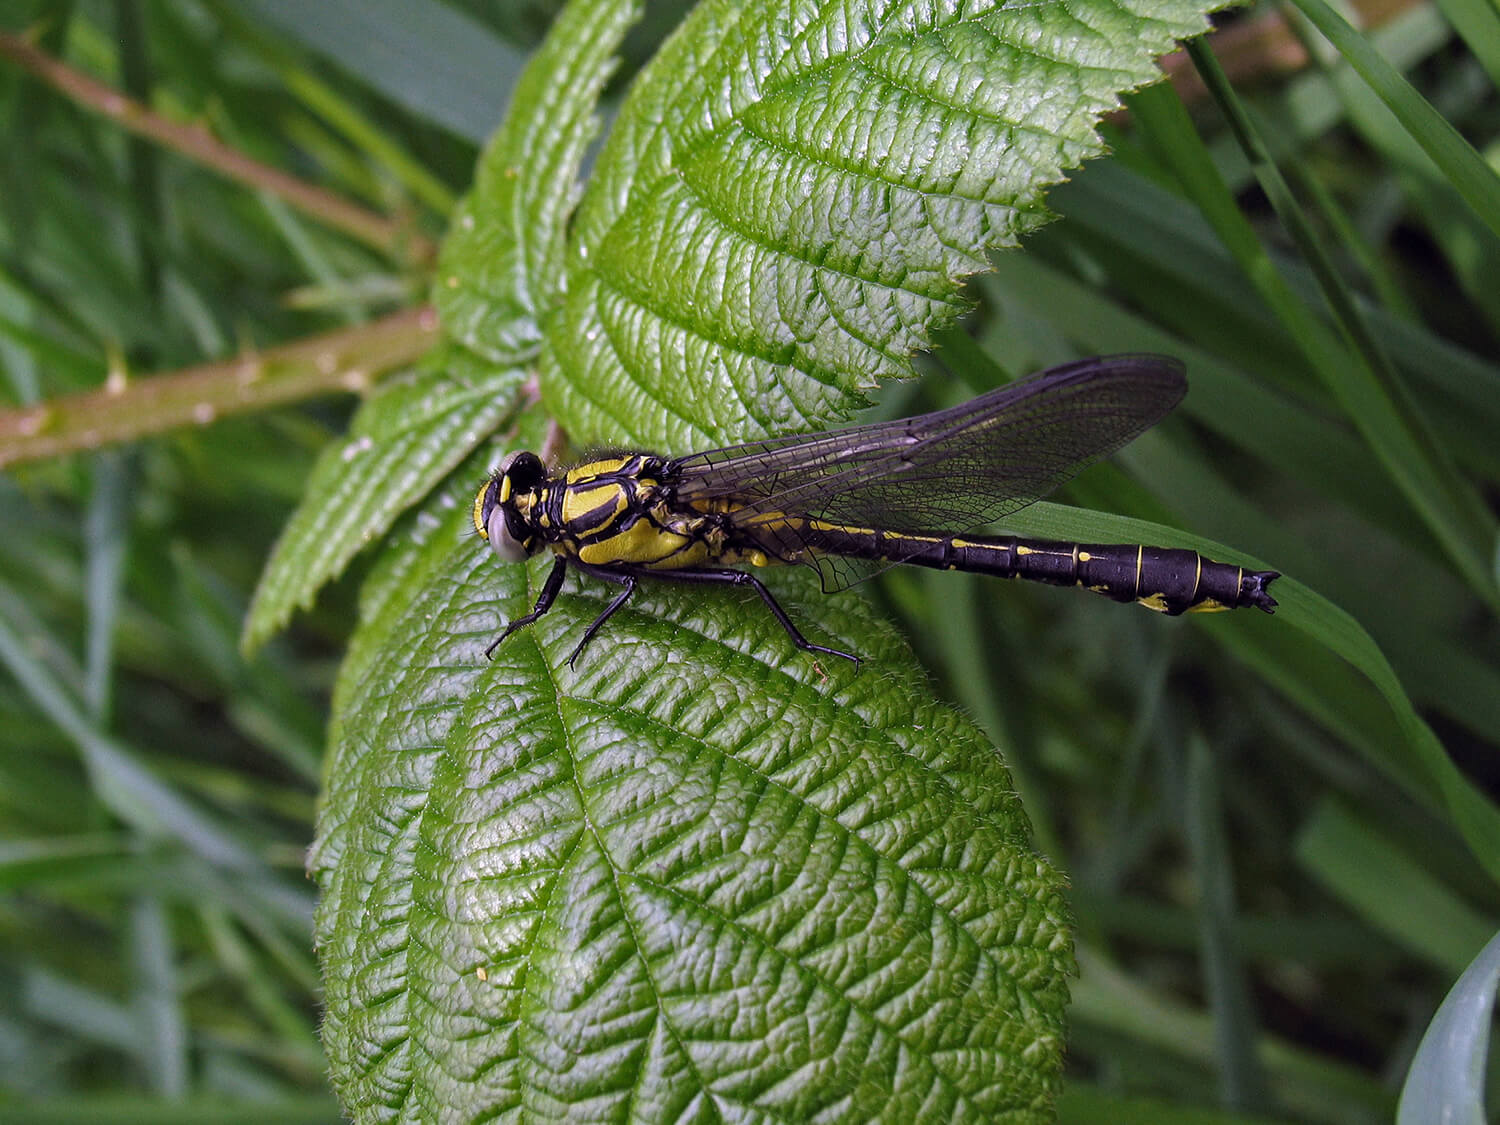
[[944, 473]]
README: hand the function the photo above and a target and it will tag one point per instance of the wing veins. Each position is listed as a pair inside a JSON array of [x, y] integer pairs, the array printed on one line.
[[943, 473]]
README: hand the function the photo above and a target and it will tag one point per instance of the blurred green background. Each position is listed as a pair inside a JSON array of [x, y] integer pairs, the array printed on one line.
[[1271, 893]]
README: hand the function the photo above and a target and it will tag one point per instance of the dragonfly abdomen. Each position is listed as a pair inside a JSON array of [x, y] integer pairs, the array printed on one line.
[[1169, 580]]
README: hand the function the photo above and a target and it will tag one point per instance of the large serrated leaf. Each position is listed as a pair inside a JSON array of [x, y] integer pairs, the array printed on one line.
[[792, 194], [404, 439], [705, 875], [698, 876]]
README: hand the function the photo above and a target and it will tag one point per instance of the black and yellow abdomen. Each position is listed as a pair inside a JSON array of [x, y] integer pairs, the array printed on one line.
[[1166, 579]]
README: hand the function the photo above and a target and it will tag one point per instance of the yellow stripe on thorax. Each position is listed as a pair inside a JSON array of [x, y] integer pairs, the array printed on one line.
[[588, 509], [643, 544], [595, 497]]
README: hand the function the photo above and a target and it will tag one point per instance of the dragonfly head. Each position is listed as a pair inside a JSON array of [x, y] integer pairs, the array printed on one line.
[[499, 512]]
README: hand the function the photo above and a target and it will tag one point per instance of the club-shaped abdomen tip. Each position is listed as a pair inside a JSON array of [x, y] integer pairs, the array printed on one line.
[[1254, 589]]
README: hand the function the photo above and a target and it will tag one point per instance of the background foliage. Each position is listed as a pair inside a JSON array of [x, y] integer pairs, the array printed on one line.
[[1269, 865]]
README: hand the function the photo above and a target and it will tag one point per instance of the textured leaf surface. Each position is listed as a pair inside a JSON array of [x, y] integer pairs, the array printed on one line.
[[793, 192], [700, 877]]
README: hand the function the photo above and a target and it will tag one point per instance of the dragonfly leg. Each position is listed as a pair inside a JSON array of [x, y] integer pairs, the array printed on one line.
[[543, 604], [743, 578], [626, 580]]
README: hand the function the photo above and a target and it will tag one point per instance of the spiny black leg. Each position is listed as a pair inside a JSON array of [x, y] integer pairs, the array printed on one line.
[[626, 580], [543, 604], [742, 578]]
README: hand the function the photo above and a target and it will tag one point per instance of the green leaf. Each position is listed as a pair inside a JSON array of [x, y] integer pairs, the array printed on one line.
[[1446, 1081], [699, 874], [705, 873], [404, 439], [791, 197]]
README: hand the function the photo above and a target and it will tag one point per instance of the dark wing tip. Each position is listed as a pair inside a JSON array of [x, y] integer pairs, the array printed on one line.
[[1172, 372]]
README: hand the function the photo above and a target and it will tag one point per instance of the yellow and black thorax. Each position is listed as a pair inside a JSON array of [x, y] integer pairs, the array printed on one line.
[[616, 511]]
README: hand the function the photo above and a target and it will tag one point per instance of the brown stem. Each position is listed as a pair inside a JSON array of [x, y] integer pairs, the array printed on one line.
[[348, 360], [199, 144]]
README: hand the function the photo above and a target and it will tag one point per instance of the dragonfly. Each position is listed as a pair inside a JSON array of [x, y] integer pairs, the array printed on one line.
[[851, 502]]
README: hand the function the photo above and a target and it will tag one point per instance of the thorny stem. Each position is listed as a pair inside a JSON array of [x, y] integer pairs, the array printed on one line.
[[197, 143], [124, 409]]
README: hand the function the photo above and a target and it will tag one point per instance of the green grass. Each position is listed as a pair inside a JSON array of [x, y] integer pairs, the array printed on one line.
[[1280, 833]]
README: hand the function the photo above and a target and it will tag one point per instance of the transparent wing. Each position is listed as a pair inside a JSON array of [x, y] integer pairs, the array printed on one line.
[[944, 473]]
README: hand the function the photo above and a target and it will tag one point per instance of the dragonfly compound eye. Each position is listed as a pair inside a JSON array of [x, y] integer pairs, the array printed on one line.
[[497, 516], [506, 545]]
